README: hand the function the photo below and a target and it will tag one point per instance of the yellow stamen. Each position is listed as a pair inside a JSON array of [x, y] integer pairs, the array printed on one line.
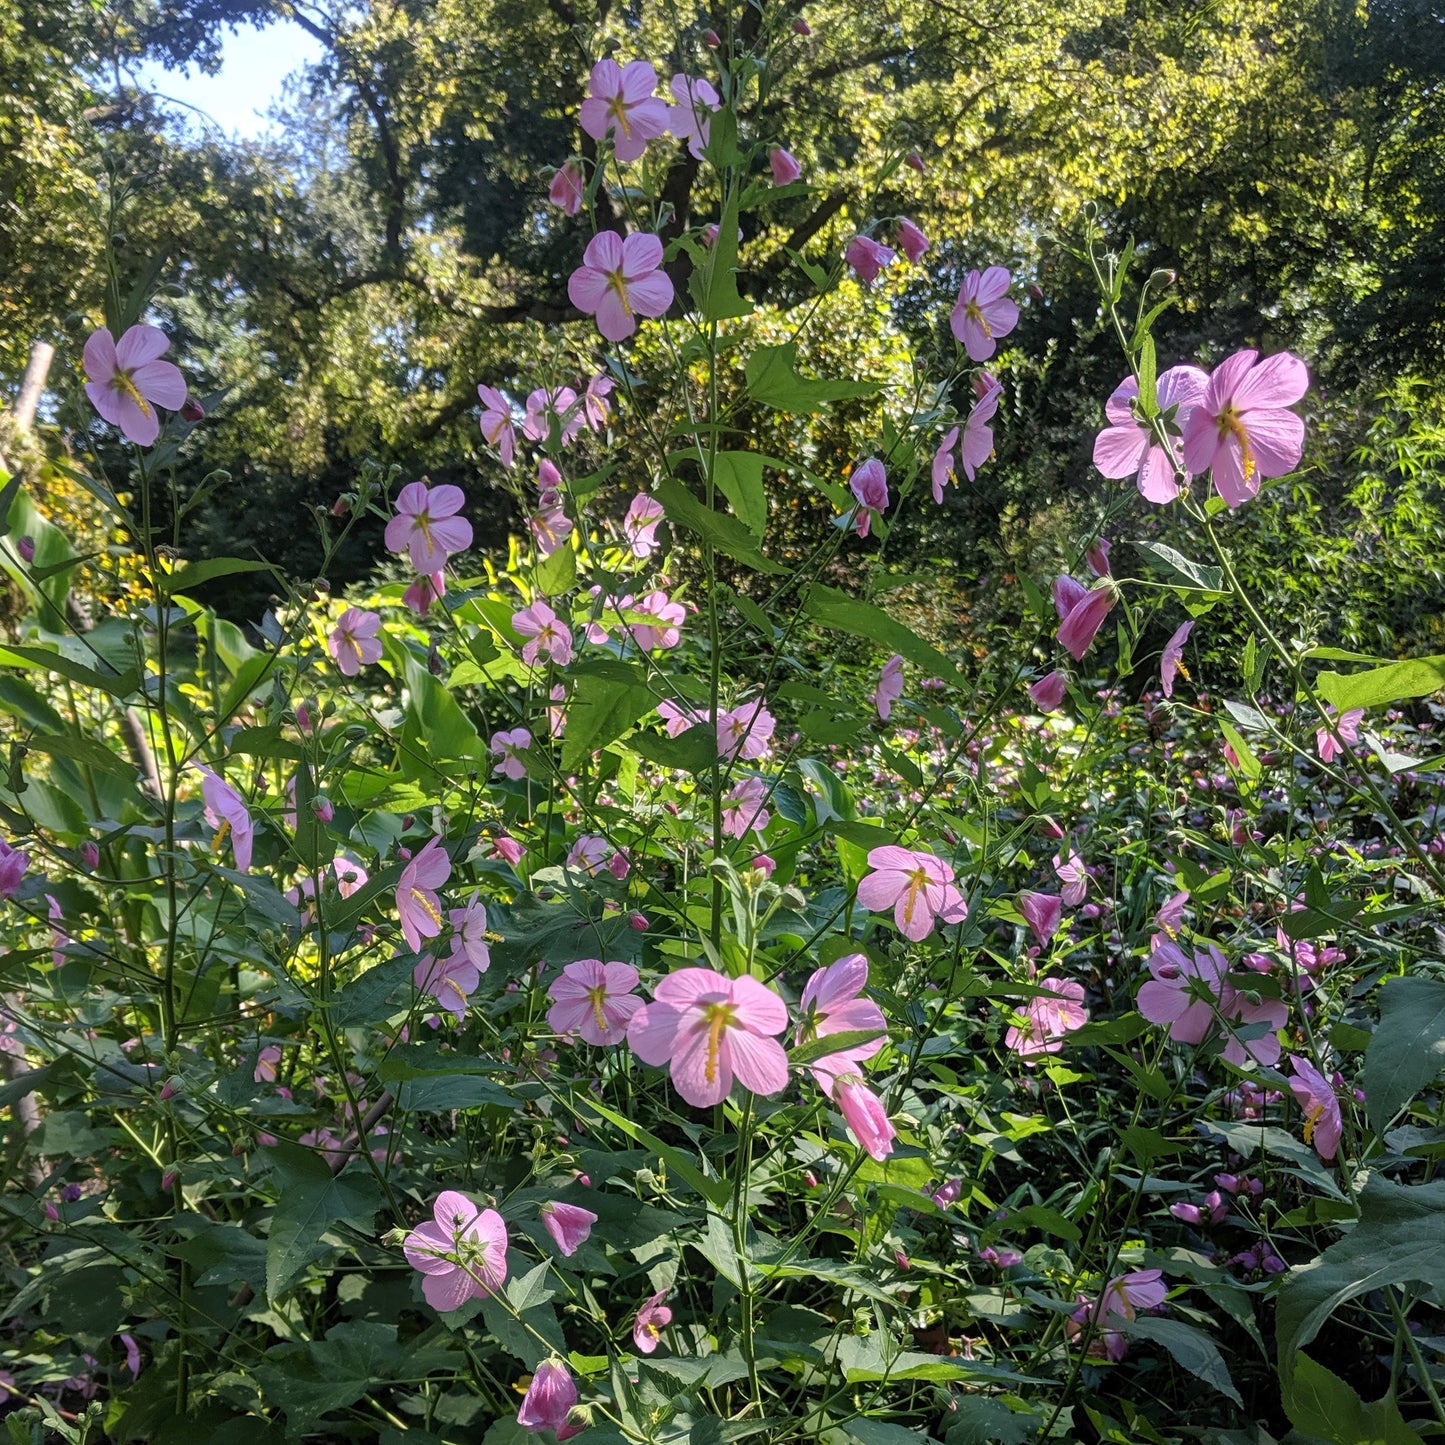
[[719, 1017], [617, 109], [222, 833], [619, 285], [917, 882], [123, 383], [427, 905], [597, 996], [1231, 424], [1312, 1120], [974, 314]]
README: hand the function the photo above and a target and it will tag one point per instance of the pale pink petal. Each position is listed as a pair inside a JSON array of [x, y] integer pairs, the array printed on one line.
[[991, 285], [141, 425], [637, 81], [139, 345], [758, 1007], [651, 295], [604, 252], [653, 1031], [161, 383], [1277, 382], [759, 1063], [686, 986], [106, 400], [641, 252], [1226, 378], [614, 320], [1118, 450], [446, 500], [1277, 438], [99, 356], [450, 1291], [1157, 479]]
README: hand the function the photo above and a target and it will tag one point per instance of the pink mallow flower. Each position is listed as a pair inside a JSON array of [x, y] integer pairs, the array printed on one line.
[[911, 240], [690, 120], [711, 1029], [1042, 912], [652, 1319], [509, 746], [784, 166], [1070, 870], [225, 810], [589, 853], [977, 445], [1171, 916], [1241, 429], [639, 526], [461, 1252], [551, 1395], [1172, 661], [128, 380], [869, 484], [868, 258], [918, 888], [417, 903], [744, 807], [546, 633], [450, 982], [1347, 725], [666, 632], [594, 999], [498, 428], [621, 102], [1049, 691], [542, 408], [832, 1003], [550, 528], [1316, 1096], [1126, 1296], [568, 188], [619, 280], [890, 686], [864, 1114], [354, 643], [1184, 990], [568, 1224], [428, 588], [13, 863], [469, 933], [743, 733], [426, 526], [1129, 448], [983, 312], [1047, 1018], [1082, 611]]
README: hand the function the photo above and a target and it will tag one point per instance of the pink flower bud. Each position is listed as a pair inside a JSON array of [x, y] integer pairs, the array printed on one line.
[[90, 854], [26, 547], [168, 1181], [801, 27], [169, 1090], [810, 1179], [915, 162], [321, 806], [712, 39], [567, 189], [784, 166], [710, 234], [638, 922], [52, 1213], [192, 411], [763, 864], [341, 507]]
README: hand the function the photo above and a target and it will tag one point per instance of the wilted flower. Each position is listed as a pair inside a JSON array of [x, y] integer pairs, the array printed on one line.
[[869, 484], [567, 189], [1042, 912], [1048, 692]]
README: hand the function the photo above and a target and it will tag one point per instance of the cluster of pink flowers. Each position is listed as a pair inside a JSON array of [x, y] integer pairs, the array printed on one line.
[[1235, 424]]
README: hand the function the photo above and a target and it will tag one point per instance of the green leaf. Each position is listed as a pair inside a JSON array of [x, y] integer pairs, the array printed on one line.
[[693, 751], [1323, 1405], [832, 1044], [1407, 1050], [311, 1201], [601, 710], [1397, 1241], [981, 1421], [717, 1192], [197, 574], [739, 477], [116, 684], [1191, 1348], [1418, 677], [715, 287], [363, 1001], [312, 1379], [92, 753], [1176, 564], [1040, 1216], [773, 381], [832, 608], [1248, 763], [557, 573], [726, 533]]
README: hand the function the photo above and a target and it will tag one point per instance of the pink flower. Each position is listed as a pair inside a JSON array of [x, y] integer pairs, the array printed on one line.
[[1171, 916], [983, 312], [1348, 727], [869, 484], [1126, 1295], [1171, 662], [1098, 557], [588, 853], [784, 166], [542, 408], [132, 1355], [1071, 872], [710, 1029], [509, 746], [977, 434], [546, 634], [917, 886], [832, 1003], [267, 1062], [639, 526], [1316, 1095], [652, 1319], [426, 525], [1048, 692], [568, 1224], [417, 903], [1239, 1012], [743, 807], [13, 863], [868, 258], [911, 240], [461, 1252], [1048, 1017], [1184, 990], [509, 850], [1128, 448], [428, 588], [498, 429], [745, 732], [670, 614], [864, 1114], [890, 686], [469, 934], [1081, 623], [621, 102], [678, 720], [594, 999], [619, 280], [225, 810], [550, 529], [567, 188], [1241, 428], [595, 406], [354, 642], [553, 1392], [128, 380], [690, 119], [1043, 913], [450, 982]]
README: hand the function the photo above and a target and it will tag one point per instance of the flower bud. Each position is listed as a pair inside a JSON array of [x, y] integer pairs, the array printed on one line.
[[712, 39], [90, 854], [638, 922], [801, 27], [192, 411], [26, 547], [168, 1181]]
